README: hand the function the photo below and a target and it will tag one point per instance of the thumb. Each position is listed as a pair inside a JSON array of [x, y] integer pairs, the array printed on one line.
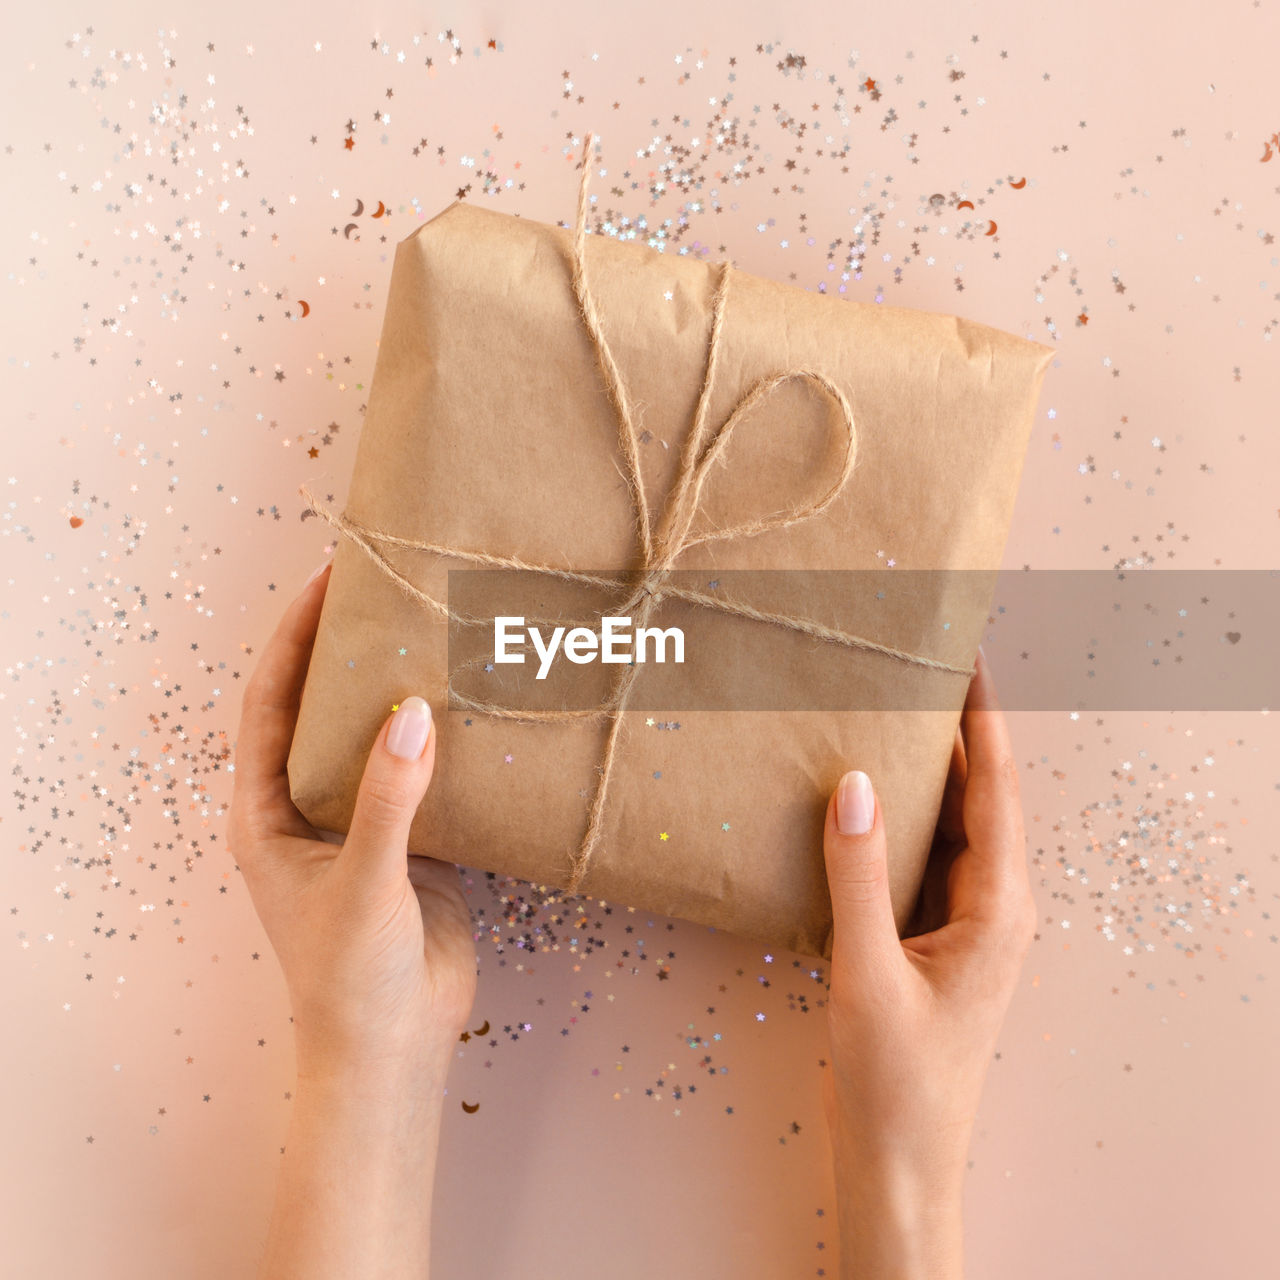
[[395, 780], [857, 872]]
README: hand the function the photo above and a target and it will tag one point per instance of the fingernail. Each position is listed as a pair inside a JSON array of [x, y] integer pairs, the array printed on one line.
[[982, 651], [315, 573], [855, 804], [409, 729]]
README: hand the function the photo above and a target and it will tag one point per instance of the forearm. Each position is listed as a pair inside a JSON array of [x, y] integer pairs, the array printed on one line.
[[356, 1179], [893, 1229], [899, 1216]]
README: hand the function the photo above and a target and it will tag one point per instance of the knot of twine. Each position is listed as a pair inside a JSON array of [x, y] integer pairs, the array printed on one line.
[[660, 548]]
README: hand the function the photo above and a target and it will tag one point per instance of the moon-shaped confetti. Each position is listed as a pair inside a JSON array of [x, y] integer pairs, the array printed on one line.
[[991, 229], [965, 204], [1017, 186], [306, 308], [471, 1107], [483, 1031], [382, 208], [348, 229], [359, 207]]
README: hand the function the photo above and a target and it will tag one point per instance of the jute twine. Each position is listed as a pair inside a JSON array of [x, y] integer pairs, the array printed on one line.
[[659, 549]]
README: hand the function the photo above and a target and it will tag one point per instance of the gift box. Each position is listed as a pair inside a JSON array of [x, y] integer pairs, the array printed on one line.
[[583, 425]]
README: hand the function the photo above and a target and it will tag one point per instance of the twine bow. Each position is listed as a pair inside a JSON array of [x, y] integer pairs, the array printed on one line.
[[660, 548]]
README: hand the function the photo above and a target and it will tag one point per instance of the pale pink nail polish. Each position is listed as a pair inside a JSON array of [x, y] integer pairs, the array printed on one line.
[[855, 804], [410, 725], [315, 573]]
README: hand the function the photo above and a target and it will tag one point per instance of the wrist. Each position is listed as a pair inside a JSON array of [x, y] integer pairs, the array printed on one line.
[[925, 1173], [922, 1143], [373, 1070]]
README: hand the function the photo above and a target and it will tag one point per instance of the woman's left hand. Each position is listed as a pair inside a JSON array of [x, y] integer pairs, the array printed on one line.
[[376, 945]]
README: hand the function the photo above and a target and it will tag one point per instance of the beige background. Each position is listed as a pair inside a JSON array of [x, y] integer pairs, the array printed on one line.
[[169, 213]]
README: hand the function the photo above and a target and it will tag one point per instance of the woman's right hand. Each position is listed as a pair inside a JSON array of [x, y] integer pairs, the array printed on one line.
[[913, 1022]]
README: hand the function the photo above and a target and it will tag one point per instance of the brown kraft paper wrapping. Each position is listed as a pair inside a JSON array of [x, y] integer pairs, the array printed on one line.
[[489, 428]]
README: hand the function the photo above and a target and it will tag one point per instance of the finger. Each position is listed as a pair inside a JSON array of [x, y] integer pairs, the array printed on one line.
[[270, 711], [395, 779], [991, 875], [858, 875]]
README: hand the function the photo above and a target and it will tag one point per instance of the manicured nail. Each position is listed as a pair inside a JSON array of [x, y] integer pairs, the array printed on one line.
[[855, 804], [315, 573], [982, 651], [409, 729]]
